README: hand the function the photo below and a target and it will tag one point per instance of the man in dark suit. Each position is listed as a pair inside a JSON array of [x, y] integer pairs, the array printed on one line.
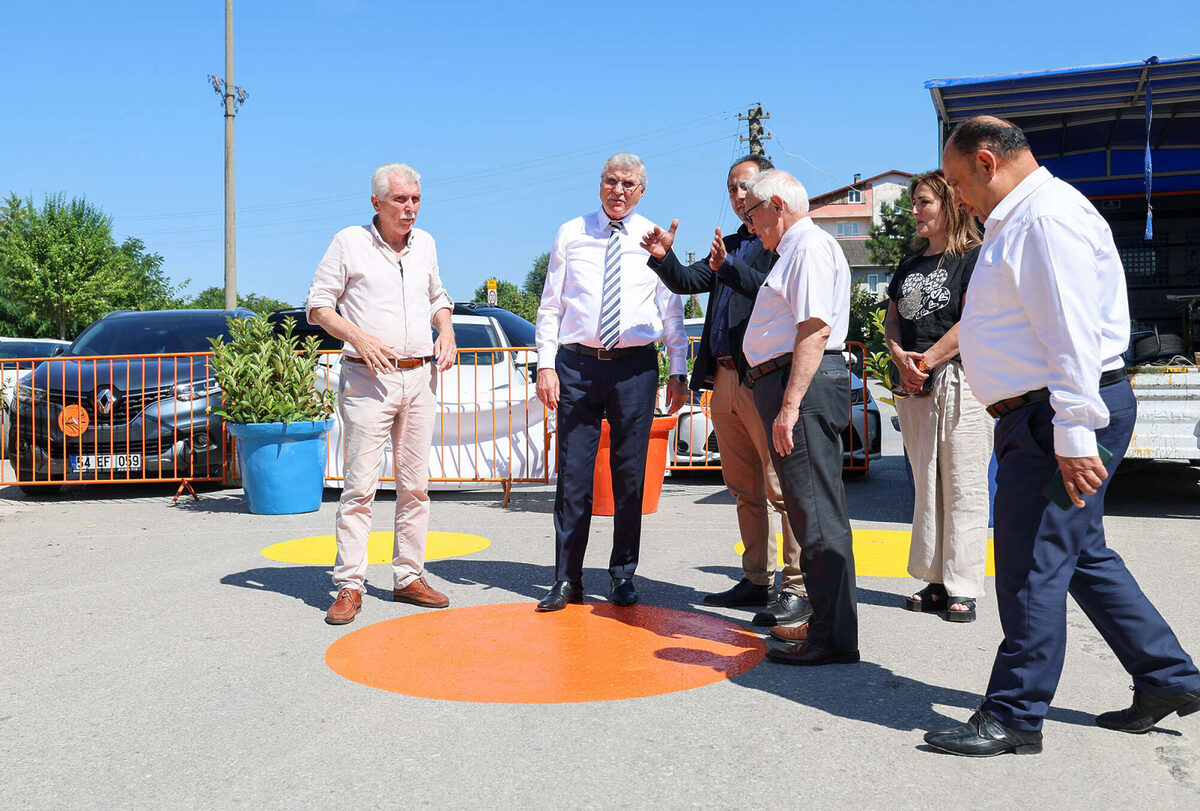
[[721, 366]]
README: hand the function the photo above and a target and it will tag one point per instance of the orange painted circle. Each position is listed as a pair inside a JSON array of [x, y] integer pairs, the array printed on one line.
[[509, 653], [73, 420]]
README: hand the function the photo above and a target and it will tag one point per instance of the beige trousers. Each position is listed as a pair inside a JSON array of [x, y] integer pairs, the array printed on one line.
[[750, 476], [400, 405], [948, 438]]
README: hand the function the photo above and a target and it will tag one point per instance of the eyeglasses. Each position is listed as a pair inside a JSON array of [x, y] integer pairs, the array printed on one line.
[[624, 185], [756, 205]]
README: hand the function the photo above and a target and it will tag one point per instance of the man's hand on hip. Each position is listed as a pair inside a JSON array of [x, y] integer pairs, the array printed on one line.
[[658, 241], [1082, 475], [445, 350], [376, 355], [547, 388]]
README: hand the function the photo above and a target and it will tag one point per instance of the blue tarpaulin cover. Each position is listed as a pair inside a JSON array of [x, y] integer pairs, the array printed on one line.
[[1088, 124]]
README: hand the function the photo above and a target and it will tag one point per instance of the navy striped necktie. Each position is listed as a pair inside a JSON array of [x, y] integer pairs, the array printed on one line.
[[610, 302]]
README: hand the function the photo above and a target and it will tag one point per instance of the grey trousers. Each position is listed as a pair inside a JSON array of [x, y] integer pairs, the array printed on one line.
[[811, 479]]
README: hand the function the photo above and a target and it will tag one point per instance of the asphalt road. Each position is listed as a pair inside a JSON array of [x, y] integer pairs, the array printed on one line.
[[154, 658]]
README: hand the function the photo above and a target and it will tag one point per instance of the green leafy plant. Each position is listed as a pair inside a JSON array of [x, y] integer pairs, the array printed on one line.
[[879, 364], [268, 377]]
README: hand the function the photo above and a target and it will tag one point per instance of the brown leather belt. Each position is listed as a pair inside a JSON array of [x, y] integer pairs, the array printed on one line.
[[607, 354], [726, 362], [402, 363], [777, 362], [1038, 395]]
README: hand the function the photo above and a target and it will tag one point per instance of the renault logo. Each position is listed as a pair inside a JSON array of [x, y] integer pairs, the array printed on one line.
[[104, 401]]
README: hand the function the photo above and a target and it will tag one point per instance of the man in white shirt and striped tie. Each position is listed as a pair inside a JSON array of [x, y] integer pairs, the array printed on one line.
[[601, 314]]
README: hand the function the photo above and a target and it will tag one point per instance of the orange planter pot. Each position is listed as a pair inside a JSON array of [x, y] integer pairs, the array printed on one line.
[[656, 466]]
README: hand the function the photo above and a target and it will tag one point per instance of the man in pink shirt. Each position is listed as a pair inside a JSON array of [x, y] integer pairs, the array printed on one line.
[[378, 289]]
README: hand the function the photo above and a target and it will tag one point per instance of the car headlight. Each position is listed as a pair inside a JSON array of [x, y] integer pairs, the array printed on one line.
[[195, 390], [28, 393]]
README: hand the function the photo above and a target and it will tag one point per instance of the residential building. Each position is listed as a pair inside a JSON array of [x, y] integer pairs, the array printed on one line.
[[848, 214]]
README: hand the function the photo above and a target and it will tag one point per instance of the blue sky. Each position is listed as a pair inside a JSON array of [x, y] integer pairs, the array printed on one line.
[[507, 110]]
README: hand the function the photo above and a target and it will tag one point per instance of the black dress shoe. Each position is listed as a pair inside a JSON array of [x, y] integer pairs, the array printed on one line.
[[787, 609], [744, 593], [623, 592], [984, 736], [1148, 709], [806, 653], [561, 593]]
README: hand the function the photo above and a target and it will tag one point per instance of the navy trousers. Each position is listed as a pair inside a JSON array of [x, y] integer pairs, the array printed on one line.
[[621, 391], [810, 478], [1044, 552]]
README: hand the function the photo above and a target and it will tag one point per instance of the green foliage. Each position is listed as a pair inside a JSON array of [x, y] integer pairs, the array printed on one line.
[[268, 377], [878, 362], [213, 298], [535, 280], [61, 268], [863, 305], [891, 240], [510, 298], [691, 307]]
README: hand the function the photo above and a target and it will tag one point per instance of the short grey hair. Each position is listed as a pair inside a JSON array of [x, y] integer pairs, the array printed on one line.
[[778, 183], [381, 177], [625, 160]]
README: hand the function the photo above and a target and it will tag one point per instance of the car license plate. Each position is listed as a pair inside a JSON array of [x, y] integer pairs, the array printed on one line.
[[107, 461]]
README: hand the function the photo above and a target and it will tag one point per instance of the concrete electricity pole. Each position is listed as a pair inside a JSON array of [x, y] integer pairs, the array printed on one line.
[[232, 97], [755, 115]]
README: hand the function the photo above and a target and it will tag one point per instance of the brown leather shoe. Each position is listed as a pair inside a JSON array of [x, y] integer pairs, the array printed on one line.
[[806, 653], [791, 633], [345, 608], [418, 592]]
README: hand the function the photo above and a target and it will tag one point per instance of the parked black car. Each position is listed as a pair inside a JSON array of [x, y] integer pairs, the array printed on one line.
[[80, 418]]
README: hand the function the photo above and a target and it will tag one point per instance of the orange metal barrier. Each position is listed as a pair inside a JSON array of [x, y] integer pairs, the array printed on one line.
[[695, 442], [110, 418]]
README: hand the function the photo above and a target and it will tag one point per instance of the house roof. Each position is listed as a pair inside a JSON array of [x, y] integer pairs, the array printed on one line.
[[856, 252], [859, 183]]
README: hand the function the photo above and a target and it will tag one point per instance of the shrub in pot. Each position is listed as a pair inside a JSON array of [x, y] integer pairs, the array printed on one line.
[[276, 412]]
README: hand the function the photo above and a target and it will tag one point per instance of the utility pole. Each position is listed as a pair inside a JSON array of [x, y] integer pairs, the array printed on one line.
[[232, 97], [755, 116]]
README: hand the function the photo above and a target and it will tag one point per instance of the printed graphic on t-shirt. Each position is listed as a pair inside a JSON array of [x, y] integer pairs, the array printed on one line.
[[922, 295]]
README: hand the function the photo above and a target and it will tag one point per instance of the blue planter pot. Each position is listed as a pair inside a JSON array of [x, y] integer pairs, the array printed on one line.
[[282, 464]]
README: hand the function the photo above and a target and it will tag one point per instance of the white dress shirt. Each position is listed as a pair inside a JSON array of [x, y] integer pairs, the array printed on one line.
[[1047, 307], [571, 298], [392, 299], [811, 279]]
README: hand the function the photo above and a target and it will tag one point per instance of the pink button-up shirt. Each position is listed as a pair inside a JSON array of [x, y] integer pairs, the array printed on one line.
[[393, 299]]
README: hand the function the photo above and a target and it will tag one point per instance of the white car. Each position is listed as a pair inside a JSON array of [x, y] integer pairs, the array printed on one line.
[[490, 424], [18, 356]]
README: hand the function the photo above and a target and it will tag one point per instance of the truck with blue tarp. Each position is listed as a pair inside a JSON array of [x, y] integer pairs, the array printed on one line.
[[1128, 137]]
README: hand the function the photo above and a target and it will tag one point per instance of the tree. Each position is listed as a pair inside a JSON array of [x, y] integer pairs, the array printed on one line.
[[535, 280], [213, 298], [61, 269], [891, 240], [691, 307], [508, 296]]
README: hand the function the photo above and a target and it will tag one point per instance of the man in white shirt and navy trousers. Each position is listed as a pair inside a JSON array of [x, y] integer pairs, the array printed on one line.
[[1045, 323], [601, 314], [793, 346]]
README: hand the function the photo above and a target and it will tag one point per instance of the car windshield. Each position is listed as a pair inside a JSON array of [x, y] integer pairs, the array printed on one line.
[[476, 336], [166, 333], [520, 332], [25, 349]]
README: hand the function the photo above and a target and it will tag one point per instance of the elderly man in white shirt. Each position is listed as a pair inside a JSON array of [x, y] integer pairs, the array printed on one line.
[[793, 345], [378, 289], [1045, 323], [602, 312]]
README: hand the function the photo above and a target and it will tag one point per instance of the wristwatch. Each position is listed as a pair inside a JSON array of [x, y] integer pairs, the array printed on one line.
[[680, 378]]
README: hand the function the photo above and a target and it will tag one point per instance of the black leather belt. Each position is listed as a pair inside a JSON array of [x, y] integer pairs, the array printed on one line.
[[607, 354], [1038, 395], [726, 362]]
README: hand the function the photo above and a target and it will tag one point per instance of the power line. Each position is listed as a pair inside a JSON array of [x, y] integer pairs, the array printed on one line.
[[801, 157]]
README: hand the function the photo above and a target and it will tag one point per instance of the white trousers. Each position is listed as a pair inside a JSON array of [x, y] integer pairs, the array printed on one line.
[[400, 405], [948, 438]]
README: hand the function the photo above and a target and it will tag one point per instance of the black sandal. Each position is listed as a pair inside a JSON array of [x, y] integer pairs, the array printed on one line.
[[960, 616], [930, 599]]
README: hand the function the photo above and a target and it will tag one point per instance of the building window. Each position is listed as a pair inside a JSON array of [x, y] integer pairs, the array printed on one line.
[[847, 229], [854, 196], [873, 282]]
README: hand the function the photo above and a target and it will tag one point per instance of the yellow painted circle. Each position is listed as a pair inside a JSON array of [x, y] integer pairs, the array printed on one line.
[[321, 550], [877, 552]]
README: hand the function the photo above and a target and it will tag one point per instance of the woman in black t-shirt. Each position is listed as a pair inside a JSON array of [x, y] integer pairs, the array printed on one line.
[[947, 432]]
